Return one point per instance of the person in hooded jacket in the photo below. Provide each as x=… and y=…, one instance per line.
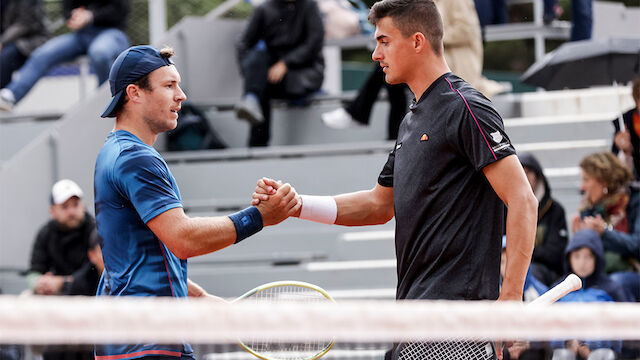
x=551, y=232
x=584, y=256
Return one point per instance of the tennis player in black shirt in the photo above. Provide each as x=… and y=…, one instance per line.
x=452, y=171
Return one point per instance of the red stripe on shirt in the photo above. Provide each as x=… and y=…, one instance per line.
x=139, y=353
x=474, y=119
x=166, y=266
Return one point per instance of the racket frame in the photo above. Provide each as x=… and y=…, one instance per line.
x=283, y=283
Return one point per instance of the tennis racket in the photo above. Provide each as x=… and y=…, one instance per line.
x=458, y=349
x=286, y=291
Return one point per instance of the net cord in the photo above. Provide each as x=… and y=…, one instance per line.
x=71, y=320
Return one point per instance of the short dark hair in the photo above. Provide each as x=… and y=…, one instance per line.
x=411, y=16
x=143, y=82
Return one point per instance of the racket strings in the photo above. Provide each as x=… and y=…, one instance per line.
x=287, y=293
x=447, y=350
x=280, y=349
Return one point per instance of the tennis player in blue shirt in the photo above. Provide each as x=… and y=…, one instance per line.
x=146, y=236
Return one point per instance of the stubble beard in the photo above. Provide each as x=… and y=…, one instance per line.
x=159, y=126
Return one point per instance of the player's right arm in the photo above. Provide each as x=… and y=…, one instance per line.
x=144, y=180
x=367, y=207
x=186, y=237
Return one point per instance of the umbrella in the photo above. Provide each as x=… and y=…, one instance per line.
x=581, y=64
x=585, y=63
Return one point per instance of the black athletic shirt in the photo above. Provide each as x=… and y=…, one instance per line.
x=449, y=221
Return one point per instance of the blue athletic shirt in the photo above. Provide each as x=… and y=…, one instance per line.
x=132, y=185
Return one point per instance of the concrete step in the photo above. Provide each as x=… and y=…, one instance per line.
x=564, y=154
x=560, y=128
x=574, y=102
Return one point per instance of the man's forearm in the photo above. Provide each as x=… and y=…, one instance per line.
x=364, y=208
x=208, y=234
x=521, y=229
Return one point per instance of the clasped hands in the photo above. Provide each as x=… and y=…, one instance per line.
x=49, y=284
x=595, y=223
x=275, y=201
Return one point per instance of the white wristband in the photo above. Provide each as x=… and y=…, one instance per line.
x=322, y=209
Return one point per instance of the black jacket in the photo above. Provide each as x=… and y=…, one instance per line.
x=627, y=118
x=551, y=232
x=106, y=13
x=22, y=23
x=61, y=252
x=292, y=31
x=85, y=281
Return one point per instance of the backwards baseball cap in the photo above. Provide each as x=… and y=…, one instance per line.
x=131, y=65
x=63, y=190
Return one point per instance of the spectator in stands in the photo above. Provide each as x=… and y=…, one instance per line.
x=22, y=29
x=463, y=44
x=582, y=17
x=585, y=257
x=60, y=263
x=604, y=183
x=358, y=112
x=626, y=143
x=61, y=246
x=97, y=31
x=86, y=279
x=551, y=234
x=280, y=56
x=626, y=245
x=492, y=12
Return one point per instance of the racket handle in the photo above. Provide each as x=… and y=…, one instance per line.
x=571, y=283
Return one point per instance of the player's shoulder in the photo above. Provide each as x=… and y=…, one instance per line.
x=471, y=99
x=125, y=144
x=464, y=90
x=136, y=156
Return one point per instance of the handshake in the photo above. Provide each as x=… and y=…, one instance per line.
x=276, y=201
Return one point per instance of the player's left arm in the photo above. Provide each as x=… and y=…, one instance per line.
x=509, y=181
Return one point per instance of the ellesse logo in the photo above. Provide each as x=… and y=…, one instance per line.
x=424, y=137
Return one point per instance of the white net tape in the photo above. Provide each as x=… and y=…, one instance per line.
x=64, y=320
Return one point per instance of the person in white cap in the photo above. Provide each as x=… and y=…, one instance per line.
x=60, y=248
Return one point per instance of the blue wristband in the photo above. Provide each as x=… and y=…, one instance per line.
x=247, y=222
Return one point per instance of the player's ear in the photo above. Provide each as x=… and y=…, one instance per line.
x=133, y=92
x=419, y=42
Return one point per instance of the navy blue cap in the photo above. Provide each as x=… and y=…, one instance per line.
x=131, y=65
